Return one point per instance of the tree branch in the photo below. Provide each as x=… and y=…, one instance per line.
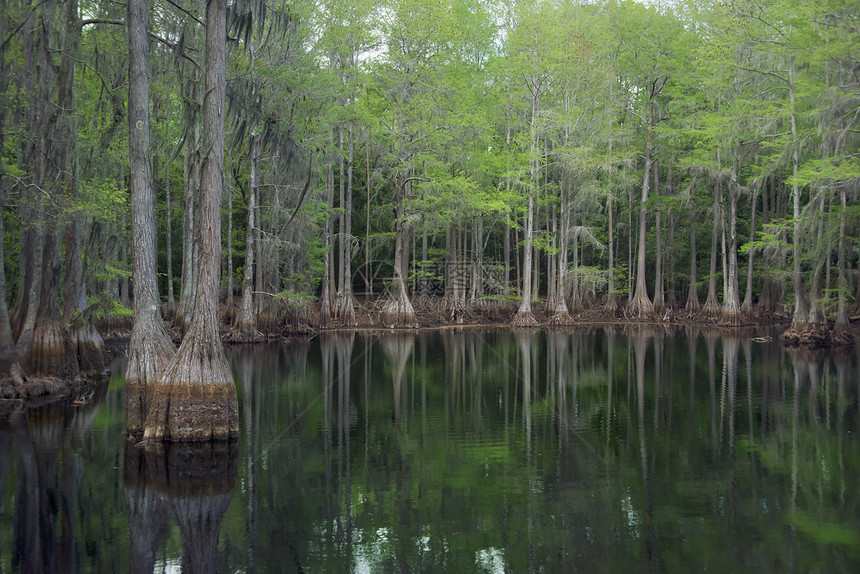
x=152, y=35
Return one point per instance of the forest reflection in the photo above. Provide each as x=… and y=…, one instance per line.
x=463, y=451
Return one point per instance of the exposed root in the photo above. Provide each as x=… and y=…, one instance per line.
x=841, y=336
x=525, y=319
x=399, y=314
x=806, y=335
x=243, y=335
x=562, y=318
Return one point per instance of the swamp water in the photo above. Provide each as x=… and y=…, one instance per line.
x=586, y=451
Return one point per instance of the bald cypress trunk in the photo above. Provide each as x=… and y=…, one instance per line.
x=150, y=347
x=85, y=339
x=245, y=329
x=524, y=316
x=399, y=311
x=731, y=312
x=641, y=304
x=51, y=353
x=195, y=400
x=711, y=308
x=692, y=307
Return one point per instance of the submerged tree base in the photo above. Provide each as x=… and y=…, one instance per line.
x=195, y=399
x=145, y=366
x=192, y=412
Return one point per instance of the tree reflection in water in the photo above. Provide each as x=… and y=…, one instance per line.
x=573, y=449
x=191, y=483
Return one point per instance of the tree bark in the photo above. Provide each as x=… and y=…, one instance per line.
x=561, y=313
x=658, y=247
x=191, y=165
x=346, y=299
x=399, y=311
x=693, y=307
x=524, y=316
x=246, y=323
x=711, y=308
x=731, y=313
x=85, y=339
x=747, y=306
x=327, y=280
x=195, y=400
x=150, y=347
x=800, y=318
x=641, y=305
x=171, y=299
x=842, y=328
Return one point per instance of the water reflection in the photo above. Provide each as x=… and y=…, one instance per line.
x=39, y=446
x=190, y=483
x=591, y=450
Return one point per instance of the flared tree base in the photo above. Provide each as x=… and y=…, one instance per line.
x=841, y=336
x=399, y=314
x=732, y=319
x=346, y=311
x=90, y=348
x=192, y=413
x=146, y=362
x=561, y=319
x=525, y=319
x=52, y=354
x=195, y=399
x=806, y=335
x=244, y=334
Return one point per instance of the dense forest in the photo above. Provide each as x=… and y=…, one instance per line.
x=690, y=159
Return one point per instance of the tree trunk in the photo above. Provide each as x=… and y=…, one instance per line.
x=800, y=318
x=711, y=309
x=692, y=307
x=191, y=164
x=342, y=240
x=731, y=297
x=842, y=328
x=399, y=312
x=524, y=316
x=641, y=305
x=747, y=307
x=51, y=353
x=817, y=333
x=327, y=280
x=245, y=330
x=611, y=296
x=561, y=315
x=171, y=299
x=150, y=347
x=368, y=278
x=346, y=299
x=229, y=303
x=195, y=400
x=658, y=254
x=82, y=332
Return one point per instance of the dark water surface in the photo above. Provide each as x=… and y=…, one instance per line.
x=473, y=452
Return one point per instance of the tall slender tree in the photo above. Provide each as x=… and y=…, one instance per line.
x=196, y=398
